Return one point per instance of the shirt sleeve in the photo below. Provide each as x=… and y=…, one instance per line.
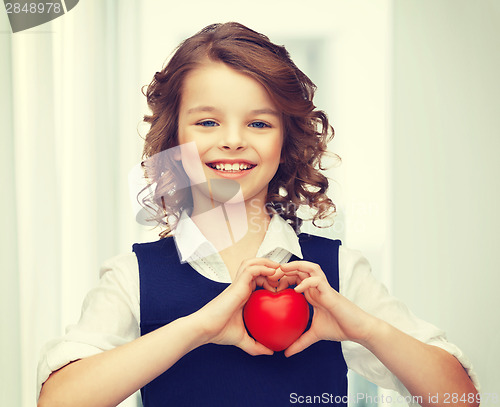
x=358, y=284
x=110, y=317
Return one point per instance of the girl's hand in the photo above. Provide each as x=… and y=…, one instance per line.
x=221, y=320
x=335, y=317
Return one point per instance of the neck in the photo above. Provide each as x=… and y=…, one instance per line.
x=226, y=224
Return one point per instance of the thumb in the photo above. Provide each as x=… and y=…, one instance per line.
x=304, y=341
x=253, y=347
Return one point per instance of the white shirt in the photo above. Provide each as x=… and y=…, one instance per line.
x=111, y=311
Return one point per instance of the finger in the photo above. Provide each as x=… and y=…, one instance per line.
x=259, y=277
x=277, y=275
x=287, y=281
x=264, y=283
x=259, y=261
x=247, y=264
x=245, y=283
x=311, y=282
x=253, y=348
x=267, y=262
x=293, y=270
x=252, y=272
x=304, y=266
x=299, y=275
x=272, y=282
x=304, y=341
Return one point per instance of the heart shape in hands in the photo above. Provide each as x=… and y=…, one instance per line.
x=276, y=319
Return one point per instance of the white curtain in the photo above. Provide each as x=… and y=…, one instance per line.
x=71, y=105
x=71, y=109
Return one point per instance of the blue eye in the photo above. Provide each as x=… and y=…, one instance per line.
x=207, y=123
x=259, y=125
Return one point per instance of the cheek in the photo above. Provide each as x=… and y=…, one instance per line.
x=191, y=163
x=190, y=136
x=273, y=153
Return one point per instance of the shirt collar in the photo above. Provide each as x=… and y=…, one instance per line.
x=192, y=244
x=279, y=235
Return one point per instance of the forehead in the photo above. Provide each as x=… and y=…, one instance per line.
x=219, y=85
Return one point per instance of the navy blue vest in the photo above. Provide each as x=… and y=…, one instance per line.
x=217, y=375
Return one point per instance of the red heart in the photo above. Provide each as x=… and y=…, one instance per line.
x=276, y=319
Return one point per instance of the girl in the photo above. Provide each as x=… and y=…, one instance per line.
x=167, y=319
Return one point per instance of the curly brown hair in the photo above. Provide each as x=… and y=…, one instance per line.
x=306, y=129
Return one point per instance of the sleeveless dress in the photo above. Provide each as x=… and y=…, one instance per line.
x=220, y=376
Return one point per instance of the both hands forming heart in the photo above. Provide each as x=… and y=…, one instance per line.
x=335, y=317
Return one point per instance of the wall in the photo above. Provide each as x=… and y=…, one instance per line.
x=445, y=171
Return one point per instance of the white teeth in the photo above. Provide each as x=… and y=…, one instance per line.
x=231, y=167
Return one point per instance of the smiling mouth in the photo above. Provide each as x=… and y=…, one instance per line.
x=227, y=167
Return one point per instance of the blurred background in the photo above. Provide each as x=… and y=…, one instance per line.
x=411, y=87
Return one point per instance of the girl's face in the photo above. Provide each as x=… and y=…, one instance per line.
x=235, y=126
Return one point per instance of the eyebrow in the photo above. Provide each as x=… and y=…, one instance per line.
x=214, y=109
x=202, y=109
x=265, y=111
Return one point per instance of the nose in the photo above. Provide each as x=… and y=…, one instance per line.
x=233, y=139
